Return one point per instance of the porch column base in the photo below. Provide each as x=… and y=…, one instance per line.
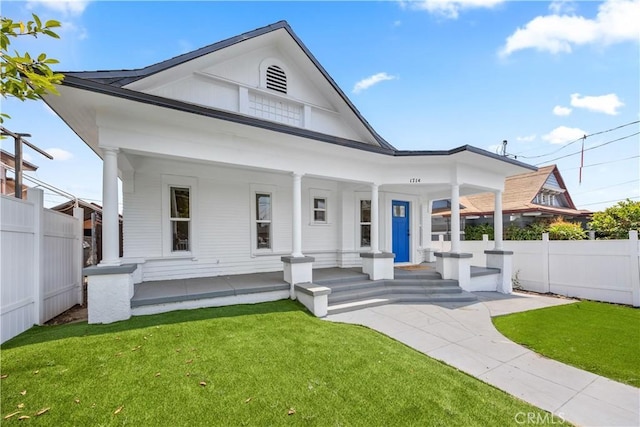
x=378, y=265
x=314, y=297
x=297, y=270
x=109, y=293
x=502, y=260
x=428, y=255
x=455, y=266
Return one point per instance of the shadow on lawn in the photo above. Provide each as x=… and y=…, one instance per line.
x=39, y=334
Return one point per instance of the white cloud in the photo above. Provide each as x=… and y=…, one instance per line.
x=67, y=7
x=59, y=154
x=559, y=110
x=450, y=8
x=562, y=6
x=607, y=104
x=617, y=21
x=563, y=134
x=527, y=138
x=366, y=83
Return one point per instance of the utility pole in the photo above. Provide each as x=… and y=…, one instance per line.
x=18, y=141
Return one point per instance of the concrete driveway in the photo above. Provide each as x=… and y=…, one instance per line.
x=463, y=336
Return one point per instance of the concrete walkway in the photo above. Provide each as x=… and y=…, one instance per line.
x=464, y=337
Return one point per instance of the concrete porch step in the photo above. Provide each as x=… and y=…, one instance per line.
x=400, y=298
x=390, y=291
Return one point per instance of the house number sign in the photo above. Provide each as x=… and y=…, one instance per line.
x=414, y=180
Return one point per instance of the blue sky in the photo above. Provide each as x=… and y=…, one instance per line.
x=426, y=74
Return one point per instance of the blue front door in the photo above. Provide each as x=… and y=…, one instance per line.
x=400, y=230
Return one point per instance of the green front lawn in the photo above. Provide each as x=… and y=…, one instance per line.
x=597, y=337
x=265, y=364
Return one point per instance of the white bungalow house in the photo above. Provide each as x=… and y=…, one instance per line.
x=245, y=157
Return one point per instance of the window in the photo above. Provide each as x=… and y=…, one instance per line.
x=365, y=223
x=320, y=210
x=180, y=218
x=398, y=211
x=263, y=221
x=276, y=79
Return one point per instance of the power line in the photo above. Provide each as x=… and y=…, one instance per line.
x=589, y=149
x=573, y=142
x=608, y=186
x=610, y=201
x=603, y=163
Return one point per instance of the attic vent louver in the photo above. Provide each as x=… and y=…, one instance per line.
x=276, y=79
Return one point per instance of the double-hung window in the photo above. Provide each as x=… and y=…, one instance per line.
x=180, y=218
x=263, y=221
x=320, y=210
x=365, y=223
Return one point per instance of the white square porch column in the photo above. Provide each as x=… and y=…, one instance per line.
x=110, y=219
x=297, y=267
x=498, y=257
x=376, y=264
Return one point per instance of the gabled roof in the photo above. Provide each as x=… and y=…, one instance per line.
x=120, y=78
x=518, y=196
x=116, y=83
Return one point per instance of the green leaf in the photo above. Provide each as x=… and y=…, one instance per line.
x=52, y=24
x=50, y=34
x=35, y=18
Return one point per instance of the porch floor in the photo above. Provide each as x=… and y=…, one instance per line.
x=179, y=290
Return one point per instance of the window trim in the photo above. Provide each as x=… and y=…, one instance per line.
x=256, y=189
x=175, y=181
x=259, y=221
x=360, y=223
x=315, y=193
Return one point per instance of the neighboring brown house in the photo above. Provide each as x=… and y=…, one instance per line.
x=92, y=251
x=526, y=197
x=7, y=184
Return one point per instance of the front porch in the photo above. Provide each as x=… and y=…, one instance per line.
x=350, y=289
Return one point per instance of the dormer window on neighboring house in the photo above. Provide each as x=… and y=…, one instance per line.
x=551, y=194
x=276, y=79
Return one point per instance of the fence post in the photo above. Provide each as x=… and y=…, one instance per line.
x=36, y=196
x=634, y=264
x=78, y=265
x=546, y=282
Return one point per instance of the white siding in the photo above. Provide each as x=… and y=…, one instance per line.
x=223, y=221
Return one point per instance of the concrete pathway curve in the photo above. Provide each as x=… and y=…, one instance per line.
x=463, y=336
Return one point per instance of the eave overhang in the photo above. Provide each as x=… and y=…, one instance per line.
x=145, y=98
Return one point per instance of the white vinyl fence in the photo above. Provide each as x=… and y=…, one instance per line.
x=41, y=263
x=602, y=270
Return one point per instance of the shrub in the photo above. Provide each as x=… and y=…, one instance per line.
x=563, y=230
x=616, y=221
x=475, y=232
x=532, y=231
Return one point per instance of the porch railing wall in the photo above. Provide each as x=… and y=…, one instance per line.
x=41, y=263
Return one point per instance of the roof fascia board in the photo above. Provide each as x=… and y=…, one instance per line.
x=469, y=148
